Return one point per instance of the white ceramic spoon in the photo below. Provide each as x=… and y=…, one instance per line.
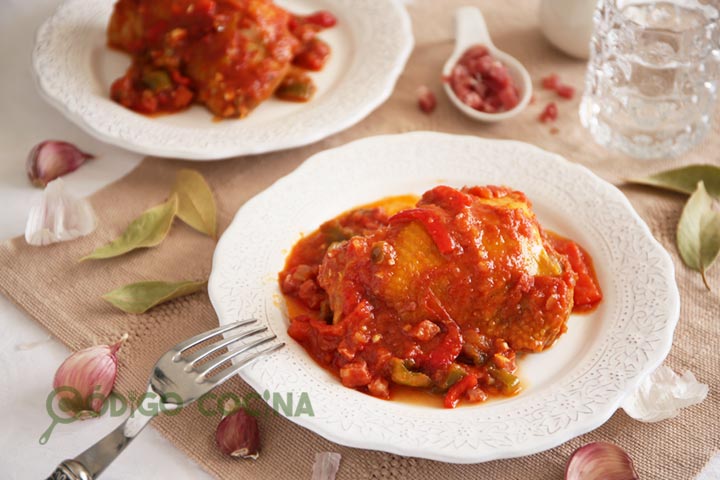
x=470, y=29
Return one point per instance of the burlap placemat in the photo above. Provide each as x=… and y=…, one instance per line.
x=64, y=295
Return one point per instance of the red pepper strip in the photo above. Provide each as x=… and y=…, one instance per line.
x=448, y=350
x=432, y=223
x=456, y=391
x=448, y=198
x=179, y=78
x=155, y=31
x=323, y=19
x=587, y=291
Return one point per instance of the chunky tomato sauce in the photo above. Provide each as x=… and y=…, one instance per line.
x=437, y=295
x=229, y=55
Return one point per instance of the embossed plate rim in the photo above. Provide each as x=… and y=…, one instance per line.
x=242, y=283
x=64, y=75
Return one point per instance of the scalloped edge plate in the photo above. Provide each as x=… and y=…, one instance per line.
x=74, y=68
x=570, y=389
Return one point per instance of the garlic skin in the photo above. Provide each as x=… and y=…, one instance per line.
x=238, y=435
x=86, y=378
x=326, y=466
x=662, y=395
x=51, y=159
x=600, y=461
x=59, y=217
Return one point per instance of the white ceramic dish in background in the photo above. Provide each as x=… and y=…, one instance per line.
x=471, y=29
x=74, y=69
x=570, y=389
x=568, y=25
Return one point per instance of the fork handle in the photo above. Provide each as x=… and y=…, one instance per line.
x=93, y=461
x=70, y=470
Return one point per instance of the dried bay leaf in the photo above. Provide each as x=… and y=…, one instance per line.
x=196, y=203
x=698, y=233
x=685, y=179
x=142, y=296
x=148, y=230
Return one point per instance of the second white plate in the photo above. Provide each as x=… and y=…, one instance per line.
x=74, y=69
x=570, y=389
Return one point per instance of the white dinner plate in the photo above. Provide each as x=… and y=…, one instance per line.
x=570, y=389
x=74, y=69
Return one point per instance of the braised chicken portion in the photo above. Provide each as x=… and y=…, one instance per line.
x=229, y=55
x=475, y=258
x=438, y=295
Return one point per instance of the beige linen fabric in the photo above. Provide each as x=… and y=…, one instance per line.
x=64, y=295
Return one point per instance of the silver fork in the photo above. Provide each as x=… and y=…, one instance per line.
x=177, y=380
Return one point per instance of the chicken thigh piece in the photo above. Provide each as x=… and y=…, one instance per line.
x=475, y=262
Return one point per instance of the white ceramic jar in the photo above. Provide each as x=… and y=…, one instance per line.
x=568, y=24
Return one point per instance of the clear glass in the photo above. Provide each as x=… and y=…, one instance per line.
x=652, y=78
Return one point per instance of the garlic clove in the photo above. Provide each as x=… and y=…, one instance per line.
x=662, y=395
x=51, y=159
x=326, y=466
x=59, y=217
x=600, y=461
x=238, y=435
x=86, y=378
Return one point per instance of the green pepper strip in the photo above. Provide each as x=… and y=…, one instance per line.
x=156, y=80
x=402, y=376
x=333, y=232
x=295, y=91
x=455, y=374
x=509, y=382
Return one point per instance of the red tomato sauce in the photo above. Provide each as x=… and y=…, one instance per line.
x=229, y=55
x=437, y=295
x=587, y=294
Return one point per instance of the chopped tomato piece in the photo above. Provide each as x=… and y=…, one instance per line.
x=458, y=390
x=550, y=82
x=565, y=91
x=312, y=55
x=426, y=99
x=379, y=387
x=355, y=374
x=550, y=113
x=424, y=330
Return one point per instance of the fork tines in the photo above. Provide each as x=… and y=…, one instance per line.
x=201, y=361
